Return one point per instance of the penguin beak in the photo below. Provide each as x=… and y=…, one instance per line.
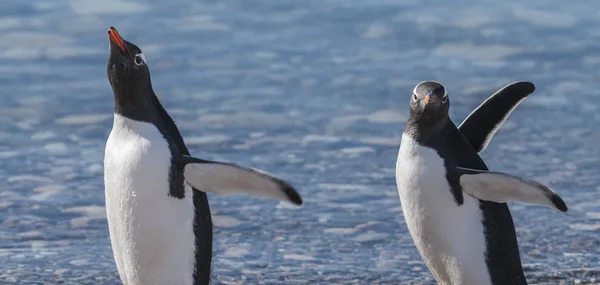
x=429, y=99
x=116, y=39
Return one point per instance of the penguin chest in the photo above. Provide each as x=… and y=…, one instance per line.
x=151, y=233
x=449, y=237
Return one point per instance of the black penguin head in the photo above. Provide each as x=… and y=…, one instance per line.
x=127, y=72
x=429, y=104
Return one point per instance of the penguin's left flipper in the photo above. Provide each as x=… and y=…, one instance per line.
x=223, y=178
x=481, y=125
x=501, y=187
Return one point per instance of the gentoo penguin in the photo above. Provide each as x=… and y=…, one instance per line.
x=158, y=214
x=455, y=209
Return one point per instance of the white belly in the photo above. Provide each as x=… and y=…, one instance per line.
x=151, y=233
x=450, y=238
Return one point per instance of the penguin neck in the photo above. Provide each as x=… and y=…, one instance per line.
x=138, y=106
x=423, y=132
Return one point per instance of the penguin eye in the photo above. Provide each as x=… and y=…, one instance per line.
x=139, y=59
x=445, y=98
x=414, y=97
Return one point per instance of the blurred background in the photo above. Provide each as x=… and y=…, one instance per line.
x=315, y=91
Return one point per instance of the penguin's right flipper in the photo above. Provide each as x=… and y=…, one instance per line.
x=223, y=178
x=481, y=125
x=501, y=187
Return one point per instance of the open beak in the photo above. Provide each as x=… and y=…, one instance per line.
x=429, y=99
x=115, y=38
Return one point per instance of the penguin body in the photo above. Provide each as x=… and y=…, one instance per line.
x=448, y=237
x=158, y=213
x=454, y=207
x=150, y=230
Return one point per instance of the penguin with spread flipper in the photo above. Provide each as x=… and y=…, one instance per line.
x=454, y=207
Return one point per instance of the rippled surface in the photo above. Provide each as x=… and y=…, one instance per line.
x=315, y=91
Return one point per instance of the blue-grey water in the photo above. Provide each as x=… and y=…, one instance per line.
x=314, y=91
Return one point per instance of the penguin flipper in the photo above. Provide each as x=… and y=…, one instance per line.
x=224, y=178
x=481, y=125
x=501, y=187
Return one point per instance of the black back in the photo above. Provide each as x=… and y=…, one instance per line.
x=502, y=250
x=136, y=100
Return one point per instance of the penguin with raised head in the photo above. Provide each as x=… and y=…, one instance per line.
x=158, y=214
x=454, y=207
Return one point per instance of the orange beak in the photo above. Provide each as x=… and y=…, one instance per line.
x=114, y=37
x=429, y=99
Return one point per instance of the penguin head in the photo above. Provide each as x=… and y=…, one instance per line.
x=127, y=71
x=429, y=103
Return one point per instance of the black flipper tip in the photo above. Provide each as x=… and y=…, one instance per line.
x=523, y=87
x=291, y=193
x=559, y=203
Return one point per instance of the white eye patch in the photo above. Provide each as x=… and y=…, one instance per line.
x=415, y=90
x=139, y=59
